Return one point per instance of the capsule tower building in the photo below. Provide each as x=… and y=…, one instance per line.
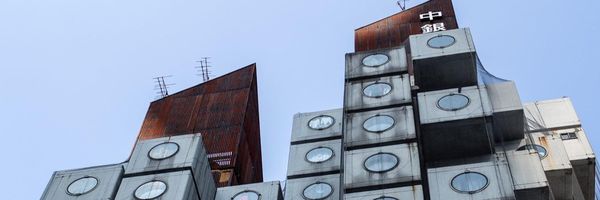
x=423, y=119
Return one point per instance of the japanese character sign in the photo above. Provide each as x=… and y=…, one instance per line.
x=428, y=28
x=431, y=15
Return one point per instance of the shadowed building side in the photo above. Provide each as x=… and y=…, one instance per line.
x=225, y=111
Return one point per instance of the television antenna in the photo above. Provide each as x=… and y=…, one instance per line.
x=402, y=4
x=161, y=87
x=203, y=68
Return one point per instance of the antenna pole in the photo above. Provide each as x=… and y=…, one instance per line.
x=161, y=86
x=203, y=68
x=402, y=4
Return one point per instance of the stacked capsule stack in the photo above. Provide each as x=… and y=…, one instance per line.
x=381, y=154
x=315, y=156
x=173, y=168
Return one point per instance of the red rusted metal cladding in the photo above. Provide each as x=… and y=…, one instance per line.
x=225, y=111
x=394, y=30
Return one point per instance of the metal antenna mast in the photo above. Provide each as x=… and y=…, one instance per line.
x=203, y=68
x=402, y=4
x=161, y=86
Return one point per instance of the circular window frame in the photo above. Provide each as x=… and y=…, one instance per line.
x=455, y=109
x=438, y=36
x=487, y=183
x=384, y=197
x=376, y=83
x=383, y=171
x=87, y=192
x=161, y=194
x=164, y=143
x=320, y=129
x=318, y=182
x=321, y=147
x=362, y=61
x=533, y=146
x=379, y=115
x=245, y=191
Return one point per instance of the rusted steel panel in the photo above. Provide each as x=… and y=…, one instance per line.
x=394, y=30
x=225, y=111
x=252, y=129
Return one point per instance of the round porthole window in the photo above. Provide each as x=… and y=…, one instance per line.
x=453, y=102
x=542, y=152
x=150, y=190
x=441, y=41
x=375, y=60
x=381, y=162
x=317, y=191
x=247, y=195
x=82, y=186
x=385, y=198
x=379, y=123
x=469, y=182
x=377, y=90
x=321, y=122
x=163, y=151
x=319, y=155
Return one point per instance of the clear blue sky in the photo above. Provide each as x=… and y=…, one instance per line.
x=77, y=75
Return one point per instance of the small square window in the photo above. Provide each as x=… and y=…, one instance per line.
x=568, y=136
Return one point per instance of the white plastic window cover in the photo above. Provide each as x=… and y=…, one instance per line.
x=484, y=77
x=534, y=124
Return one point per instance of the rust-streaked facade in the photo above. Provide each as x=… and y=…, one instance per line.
x=225, y=111
x=394, y=30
